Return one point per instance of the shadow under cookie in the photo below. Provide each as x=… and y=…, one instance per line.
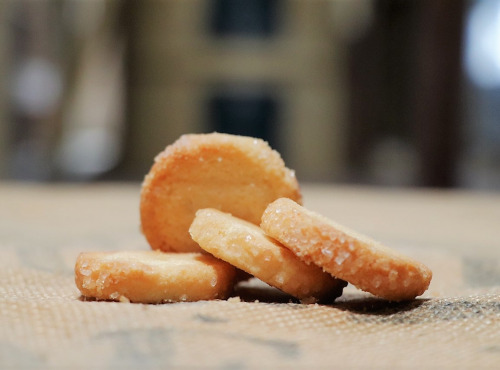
x=255, y=290
x=369, y=305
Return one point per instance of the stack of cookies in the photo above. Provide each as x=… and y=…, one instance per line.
x=214, y=206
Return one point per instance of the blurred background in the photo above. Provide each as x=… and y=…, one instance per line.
x=386, y=92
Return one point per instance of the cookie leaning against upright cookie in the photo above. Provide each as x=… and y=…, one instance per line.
x=153, y=276
x=245, y=246
x=345, y=254
x=235, y=174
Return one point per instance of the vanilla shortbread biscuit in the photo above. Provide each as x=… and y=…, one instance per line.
x=345, y=254
x=245, y=246
x=153, y=276
x=235, y=174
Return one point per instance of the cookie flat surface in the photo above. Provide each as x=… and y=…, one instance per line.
x=153, y=276
x=245, y=246
x=368, y=265
x=235, y=174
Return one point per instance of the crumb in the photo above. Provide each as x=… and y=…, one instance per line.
x=123, y=299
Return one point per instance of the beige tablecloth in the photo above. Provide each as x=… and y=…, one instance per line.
x=44, y=322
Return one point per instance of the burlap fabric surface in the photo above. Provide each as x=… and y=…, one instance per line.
x=45, y=323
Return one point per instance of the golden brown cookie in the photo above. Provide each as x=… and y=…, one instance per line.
x=235, y=174
x=153, y=276
x=245, y=246
x=345, y=254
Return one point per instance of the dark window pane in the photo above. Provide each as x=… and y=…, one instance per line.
x=254, y=18
x=244, y=114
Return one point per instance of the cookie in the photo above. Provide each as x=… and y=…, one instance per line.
x=345, y=254
x=153, y=276
x=235, y=174
x=245, y=246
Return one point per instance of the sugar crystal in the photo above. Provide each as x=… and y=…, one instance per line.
x=327, y=252
x=341, y=257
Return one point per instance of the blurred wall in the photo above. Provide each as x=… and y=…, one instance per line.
x=63, y=104
x=405, y=83
x=186, y=75
x=360, y=91
x=3, y=91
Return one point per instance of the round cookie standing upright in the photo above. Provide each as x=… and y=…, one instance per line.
x=235, y=174
x=345, y=254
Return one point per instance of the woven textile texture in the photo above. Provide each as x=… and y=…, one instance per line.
x=44, y=323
